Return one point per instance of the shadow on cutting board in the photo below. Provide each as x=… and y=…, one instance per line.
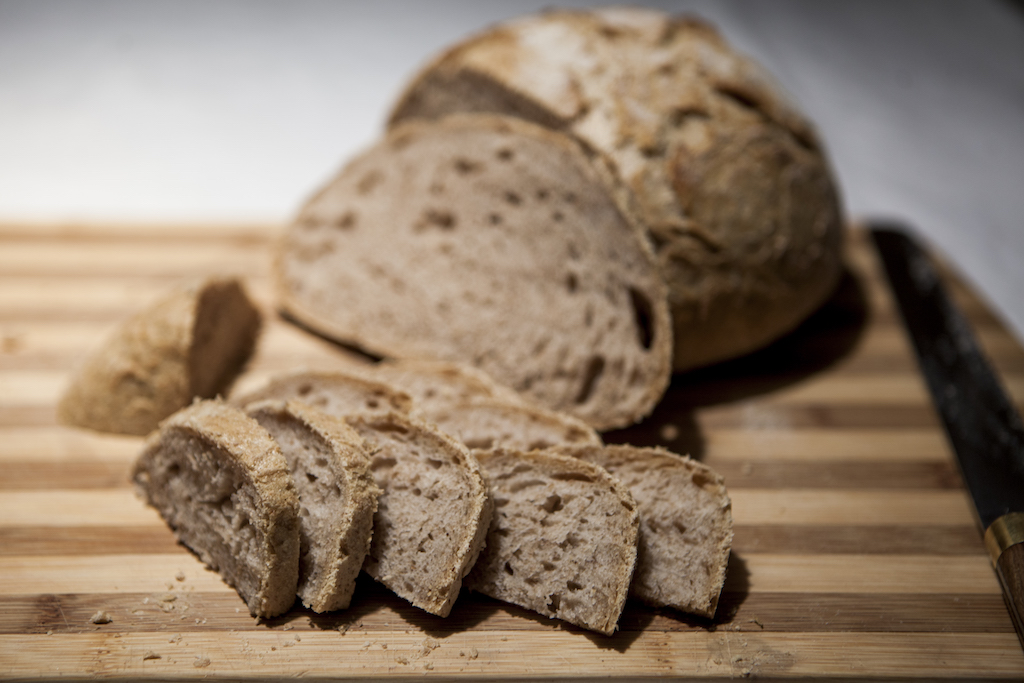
x=819, y=342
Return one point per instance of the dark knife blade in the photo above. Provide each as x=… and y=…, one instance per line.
x=981, y=422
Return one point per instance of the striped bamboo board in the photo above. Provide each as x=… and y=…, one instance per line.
x=856, y=553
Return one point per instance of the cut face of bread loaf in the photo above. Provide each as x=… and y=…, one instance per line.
x=439, y=383
x=190, y=344
x=492, y=241
x=222, y=484
x=432, y=514
x=685, y=524
x=728, y=179
x=336, y=393
x=490, y=423
x=337, y=498
x=562, y=541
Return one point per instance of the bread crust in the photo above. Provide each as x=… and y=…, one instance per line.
x=215, y=474
x=727, y=177
x=447, y=269
x=156, y=361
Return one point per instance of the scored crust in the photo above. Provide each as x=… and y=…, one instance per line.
x=562, y=541
x=223, y=486
x=189, y=344
x=438, y=243
x=685, y=524
x=727, y=177
x=337, y=498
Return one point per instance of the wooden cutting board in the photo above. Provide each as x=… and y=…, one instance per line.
x=856, y=553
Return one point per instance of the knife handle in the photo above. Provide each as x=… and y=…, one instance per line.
x=1004, y=539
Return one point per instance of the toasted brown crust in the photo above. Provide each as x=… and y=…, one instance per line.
x=214, y=474
x=337, y=498
x=190, y=343
x=727, y=177
x=591, y=333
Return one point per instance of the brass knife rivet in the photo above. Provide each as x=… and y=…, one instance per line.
x=1006, y=531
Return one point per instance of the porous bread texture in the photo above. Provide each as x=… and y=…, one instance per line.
x=432, y=514
x=492, y=241
x=189, y=344
x=221, y=483
x=562, y=541
x=727, y=177
x=493, y=423
x=685, y=524
x=442, y=382
x=337, y=498
x=336, y=393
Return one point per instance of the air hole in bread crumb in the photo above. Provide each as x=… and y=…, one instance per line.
x=505, y=154
x=738, y=95
x=595, y=368
x=699, y=479
x=571, y=283
x=520, y=485
x=554, y=600
x=542, y=194
x=547, y=566
x=557, y=216
x=513, y=198
x=369, y=181
x=466, y=166
x=508, y=569
x=569, y=197
x=304, y=389
x=436, y=218
x=435, y=463
x=346, y=220
x=643, y=317
x=571, y=476
x=494, y=219
x=380, y=463
x=553, y=503
x=573, y=586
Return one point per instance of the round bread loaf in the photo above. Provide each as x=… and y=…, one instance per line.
x=729, y=180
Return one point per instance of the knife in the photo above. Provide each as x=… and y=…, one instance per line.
x=981, y=422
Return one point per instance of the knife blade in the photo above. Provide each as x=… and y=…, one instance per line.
x=980, y=421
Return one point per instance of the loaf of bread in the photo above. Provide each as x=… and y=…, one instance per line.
x=336, y=393
x=432, y=514
x=685, y=524
x=337, y=498
x=189, y=344
x=492, y=241
x=562, y=541
x=729, y=180
x=222, y=484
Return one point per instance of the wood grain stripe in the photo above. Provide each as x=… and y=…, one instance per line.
x=825, y=446
x=120, y=507
x=562, y=654
x=753, y=572
x=165, y=259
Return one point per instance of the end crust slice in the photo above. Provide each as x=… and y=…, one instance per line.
x=222, y=484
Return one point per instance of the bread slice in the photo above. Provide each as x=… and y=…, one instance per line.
x=440, y=382
x=685, y=524
x=432, y=514
x=336, y=393
x=221, y=483
x=728, y=178
x=337, y=498
x=491, y=241
x=189, y=344
x=562, y=541
x=491, y=423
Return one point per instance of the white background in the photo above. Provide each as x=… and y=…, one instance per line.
x=236, y=111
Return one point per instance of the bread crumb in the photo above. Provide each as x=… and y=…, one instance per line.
x=298, y=637
x=101, y=617
x=473, y=653
x=49, y=633
x=428, y=666
x=150, y=655
x=288, y=643
x=201, y=662
x=180, y=576
x=402, y=660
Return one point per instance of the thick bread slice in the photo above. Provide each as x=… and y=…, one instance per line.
x=728, y=178
x=562, y=541
x=337, y=498
x=432, y=514
x=490, y=423
x=189, y=344
x=440, y=382
x=221, y=483
x=685, y=524
x=336, y=393
x=491, y=241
